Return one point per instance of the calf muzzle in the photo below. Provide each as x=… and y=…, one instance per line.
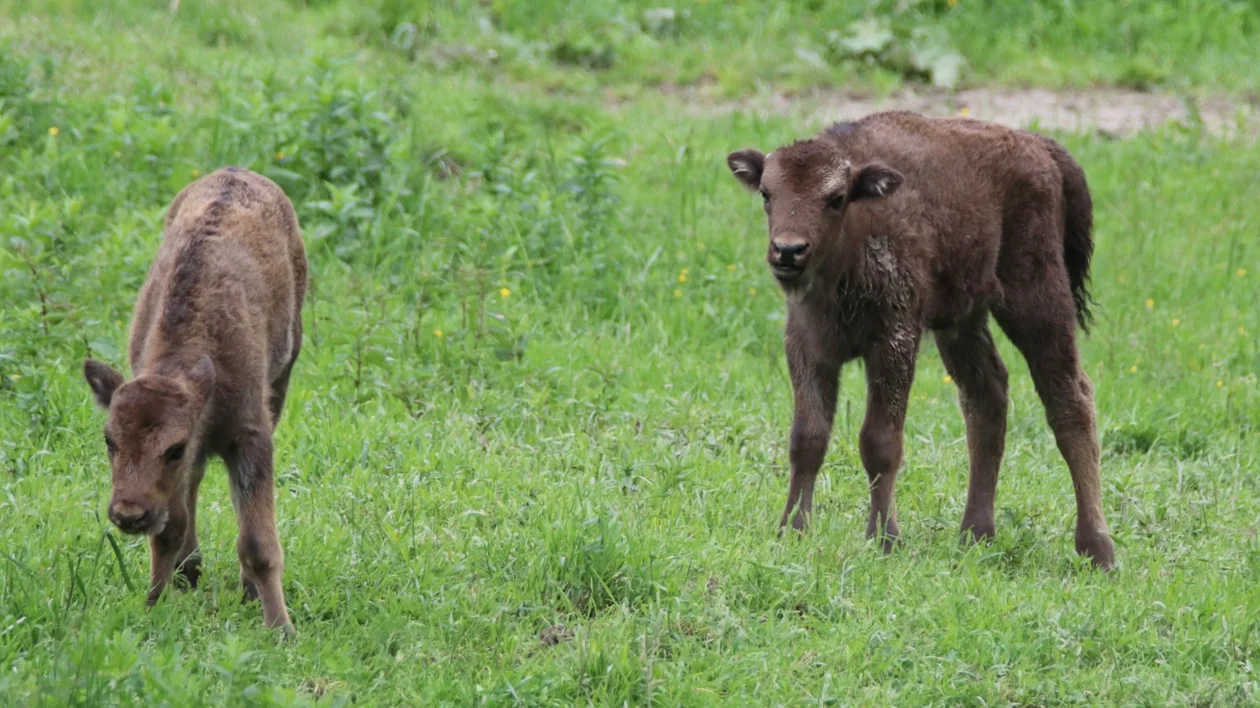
x=787, y=257
x=135, y=519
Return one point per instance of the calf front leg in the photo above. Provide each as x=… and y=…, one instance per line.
x=814, y=384
x=889, y=374
x=188, y=560
x=164, y=548
x=258, y=544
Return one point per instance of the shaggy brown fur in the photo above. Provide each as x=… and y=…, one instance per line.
x=897, y=223
x=216, y=330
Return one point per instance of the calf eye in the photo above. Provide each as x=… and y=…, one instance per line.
x=835, y=202
x=174, y=453
x=110, y=446
x=765, y=196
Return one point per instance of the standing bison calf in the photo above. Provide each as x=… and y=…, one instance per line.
x=897, y=223
x=216, y=331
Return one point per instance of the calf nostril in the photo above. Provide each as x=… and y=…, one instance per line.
x=789, y=252
x=129, y=517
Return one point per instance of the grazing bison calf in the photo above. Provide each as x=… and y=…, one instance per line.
x=216, y=330
x=897, y=223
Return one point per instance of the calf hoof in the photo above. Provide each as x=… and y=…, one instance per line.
x=888, y=535
x=249, y=590
x=800, y=524
x=977, y=531
x=1096, y=546
x=288, y=630
x=154, y=595
x=190, y=569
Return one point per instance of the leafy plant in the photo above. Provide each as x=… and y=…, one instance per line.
x=586, y=51
x=921, y=51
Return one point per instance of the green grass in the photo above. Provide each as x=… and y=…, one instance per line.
x=522, y=462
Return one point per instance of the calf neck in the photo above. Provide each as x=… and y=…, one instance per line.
x=216, y=330
x=896, y=225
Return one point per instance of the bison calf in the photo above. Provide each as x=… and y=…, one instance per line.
x=216, y=330
x=897, y=223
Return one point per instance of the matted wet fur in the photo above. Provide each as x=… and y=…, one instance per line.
x=896, y=224
x=216, y=330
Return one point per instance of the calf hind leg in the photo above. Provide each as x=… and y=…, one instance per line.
x=280, y=387
x=972, y=360
x=1044, y=330
x=258, y=543
x=279, y=391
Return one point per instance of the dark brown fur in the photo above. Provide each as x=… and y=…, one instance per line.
x=216, y=330
x=897, y=224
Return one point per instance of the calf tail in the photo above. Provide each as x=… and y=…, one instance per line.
x=1078, y=222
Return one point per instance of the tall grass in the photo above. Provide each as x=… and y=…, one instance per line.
x=536, y=443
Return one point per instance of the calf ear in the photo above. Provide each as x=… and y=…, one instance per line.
x=873, y=181
x=747, y=165
x=201, y=379
x=103, y=380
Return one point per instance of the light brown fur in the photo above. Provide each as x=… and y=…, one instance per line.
x=897, y=224
x=216, y=330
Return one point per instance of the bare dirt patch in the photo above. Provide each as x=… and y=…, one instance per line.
x=1110, y=111
x=554, y=634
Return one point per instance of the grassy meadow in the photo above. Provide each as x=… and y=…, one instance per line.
x=535, y=447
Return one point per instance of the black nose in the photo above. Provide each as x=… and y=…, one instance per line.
x=790, y=251
x=131, y=521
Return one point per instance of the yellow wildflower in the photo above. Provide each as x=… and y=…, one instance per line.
x=15, y=377
x=1133, y=369
x=752, y=291
x=1242, y=330
x=964, y=111
x=677, y=292
x=195, y=172
x=952, y=3
x=1220, y=384
x=1150, y=304
x=53, y=131
x=437, y=333
x=948, y=378
x=682, y=278
x=700, y=246
x=684, y=271
x=1176, y=322
x=280, y=155
x=1241, y=272
x=730, y=268
x=504, y=292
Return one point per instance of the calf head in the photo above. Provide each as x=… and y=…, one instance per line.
x=807, y=188
x=151, y=438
